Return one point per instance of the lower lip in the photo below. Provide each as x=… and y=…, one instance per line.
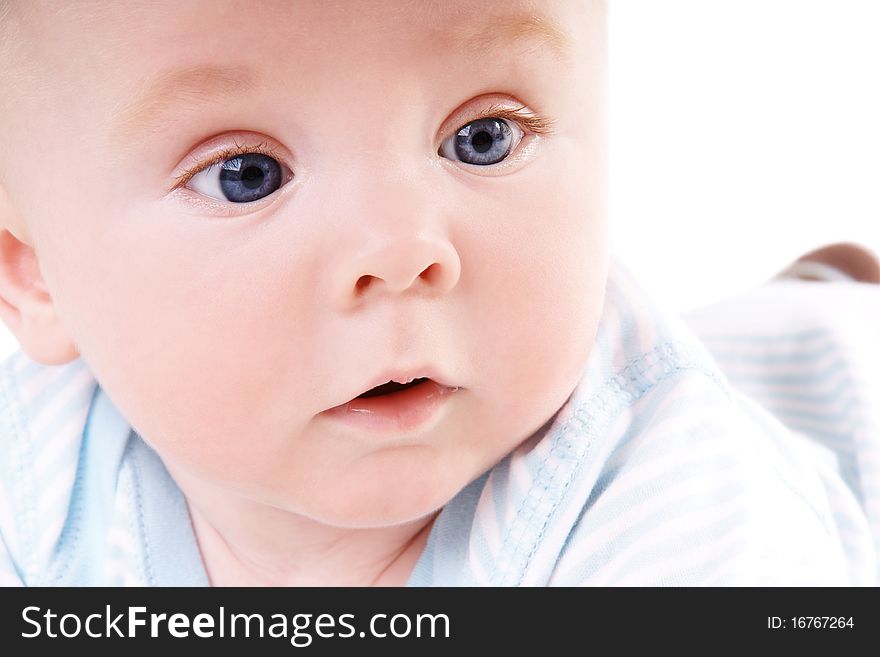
x=407, y=410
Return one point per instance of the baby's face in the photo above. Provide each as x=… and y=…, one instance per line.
x=376, y=215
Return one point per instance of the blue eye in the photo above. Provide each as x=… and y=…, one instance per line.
x=482, y=142
x=242, y=179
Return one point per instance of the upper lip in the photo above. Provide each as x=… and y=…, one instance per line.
x=402, y=375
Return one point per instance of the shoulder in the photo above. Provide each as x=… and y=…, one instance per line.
x=697, y=488
x=83, y=500
x=682, y=479
x=43, y=410
x=702, y=478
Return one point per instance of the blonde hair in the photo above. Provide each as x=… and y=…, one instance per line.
x=11, y=43
x=8, y=55
x=18, y=71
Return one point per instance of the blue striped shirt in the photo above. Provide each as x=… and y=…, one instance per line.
x=736, y=445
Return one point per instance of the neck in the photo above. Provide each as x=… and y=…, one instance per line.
x=246, y=544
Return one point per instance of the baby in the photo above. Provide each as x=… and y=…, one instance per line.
x=320, y=293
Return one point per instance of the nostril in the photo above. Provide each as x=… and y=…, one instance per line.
x=431, y=273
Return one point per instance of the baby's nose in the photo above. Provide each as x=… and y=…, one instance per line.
x=394, y=232
x=428, y=264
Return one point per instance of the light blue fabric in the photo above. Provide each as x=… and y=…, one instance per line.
x=161, y=525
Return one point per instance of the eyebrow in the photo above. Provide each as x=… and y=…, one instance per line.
x=516, y=30
x=185, y=90
x=191, y=90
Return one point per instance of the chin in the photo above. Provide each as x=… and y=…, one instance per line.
x=393, y=501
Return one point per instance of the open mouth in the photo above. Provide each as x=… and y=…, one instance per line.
x=392, y=407
x=390, y=388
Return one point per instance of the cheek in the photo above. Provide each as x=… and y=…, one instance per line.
x=186, y=335
x=541, y=285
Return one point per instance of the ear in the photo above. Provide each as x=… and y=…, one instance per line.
x=26, y=307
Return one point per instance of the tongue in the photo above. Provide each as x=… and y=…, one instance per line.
x=389, y=388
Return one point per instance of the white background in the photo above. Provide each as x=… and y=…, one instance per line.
x=743, y=133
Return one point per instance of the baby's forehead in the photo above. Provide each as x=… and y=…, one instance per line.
x=484, y=25
x=98, y=40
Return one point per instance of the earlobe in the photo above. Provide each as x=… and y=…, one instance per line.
x=26, y=307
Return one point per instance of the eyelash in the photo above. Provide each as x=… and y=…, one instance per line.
x=532, y=122
x=264, y=148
